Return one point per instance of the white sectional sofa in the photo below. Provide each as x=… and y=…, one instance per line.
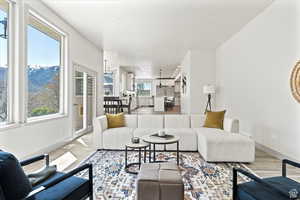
x=214, y=145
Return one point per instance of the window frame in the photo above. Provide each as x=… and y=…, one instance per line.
x=63, y=78
x=10, y=121
x=143, y=82
x=112, y=84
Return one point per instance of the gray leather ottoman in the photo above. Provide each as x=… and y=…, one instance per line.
x=159, y=181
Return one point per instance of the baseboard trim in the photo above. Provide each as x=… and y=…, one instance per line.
x=273, y=152
x=49, y=148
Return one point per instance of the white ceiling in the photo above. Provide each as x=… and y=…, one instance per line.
x=156, y=34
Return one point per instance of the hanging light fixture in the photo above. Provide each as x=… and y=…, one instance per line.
x=160, y=72
x=105, y=70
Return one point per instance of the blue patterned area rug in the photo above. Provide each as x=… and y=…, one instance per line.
x=202, y=180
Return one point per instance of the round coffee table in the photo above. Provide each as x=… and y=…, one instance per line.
x=135, y=146
x=157, y=140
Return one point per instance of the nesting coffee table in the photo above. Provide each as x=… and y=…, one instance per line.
x=157, y=140
x=142, y=146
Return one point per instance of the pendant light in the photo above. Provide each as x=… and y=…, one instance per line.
x=105, y=70
x=160, y=72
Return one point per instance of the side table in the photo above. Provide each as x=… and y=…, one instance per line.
x=142, y=146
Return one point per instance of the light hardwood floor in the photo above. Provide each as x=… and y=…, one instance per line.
x=70, y=155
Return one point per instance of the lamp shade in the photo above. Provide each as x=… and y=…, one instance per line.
x=209, y=89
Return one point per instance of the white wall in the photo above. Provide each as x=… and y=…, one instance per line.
x=200, y=69
x=203, y=72
x=28, y=139
x=253, y=71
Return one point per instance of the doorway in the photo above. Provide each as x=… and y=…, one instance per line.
x=84, y=100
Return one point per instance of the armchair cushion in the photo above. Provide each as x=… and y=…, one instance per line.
x=13, y=181
x=69, y=189
x=1, y=194
x=256, y=191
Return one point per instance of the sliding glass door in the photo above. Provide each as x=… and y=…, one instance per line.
x=83, y=100
x=90, y=102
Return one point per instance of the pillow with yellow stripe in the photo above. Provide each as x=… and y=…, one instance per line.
x=115, y=120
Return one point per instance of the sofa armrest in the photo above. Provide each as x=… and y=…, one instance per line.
x=100, y=125
x=231, y=125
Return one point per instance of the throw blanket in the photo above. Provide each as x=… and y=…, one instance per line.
x=41, y=175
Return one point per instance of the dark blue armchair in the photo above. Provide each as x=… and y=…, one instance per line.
x=14, y=184
x=274, y=188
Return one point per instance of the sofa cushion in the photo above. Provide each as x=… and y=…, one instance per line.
x=13, y=181
x=139, y=132
x=131, y=121
x=115, y=120
x=177, y=121
x=214, y=119
x=69, y=189
x=197, y=121
x=217, y=145
x=218, y=136
x=116, y=138
x=187, y=141
x=151, y=121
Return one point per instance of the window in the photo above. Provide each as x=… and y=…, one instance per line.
x=144, y=89
x=79, y=78
x=108, y=84
x=45, y=62
x=4, y=65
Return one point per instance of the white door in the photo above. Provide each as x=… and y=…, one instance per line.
x=83, y=100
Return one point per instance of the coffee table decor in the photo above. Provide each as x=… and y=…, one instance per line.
x=202, y=180
x=166, y=136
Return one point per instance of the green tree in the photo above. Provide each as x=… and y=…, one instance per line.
x=41, y=111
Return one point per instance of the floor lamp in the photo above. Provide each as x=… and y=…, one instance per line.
x=208, y=90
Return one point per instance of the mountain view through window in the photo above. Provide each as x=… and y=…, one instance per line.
x=43, y=72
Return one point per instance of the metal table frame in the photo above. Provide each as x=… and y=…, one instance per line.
x=127, y=166
x=154, y=150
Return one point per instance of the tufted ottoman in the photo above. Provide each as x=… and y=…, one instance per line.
x=159, y=181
